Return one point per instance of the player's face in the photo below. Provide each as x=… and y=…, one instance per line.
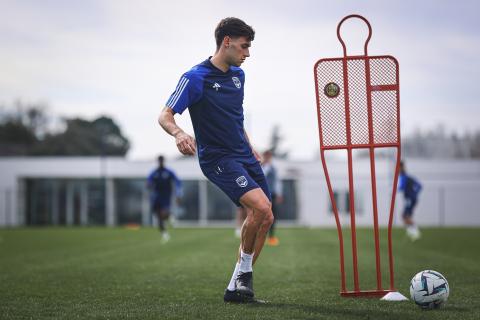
x=237, y=50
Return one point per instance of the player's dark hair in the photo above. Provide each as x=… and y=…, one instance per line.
x=233, y=27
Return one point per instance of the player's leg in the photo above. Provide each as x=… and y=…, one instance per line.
x=164, y=215
x=412, y=230
x=407, y=212
x=231, y=294
x=240, y=288
x=255, y=172
x=232, y=177
x=407, y=221
x=262, y=235
x=161, y=220
x=155, y=210
x=259, y=218
x=158, y=214
x=260, y=239
x=254, y=232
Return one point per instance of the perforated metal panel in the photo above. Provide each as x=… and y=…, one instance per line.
x=362, y=114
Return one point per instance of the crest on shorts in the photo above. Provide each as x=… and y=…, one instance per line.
x=242, y=181
x=237, y=82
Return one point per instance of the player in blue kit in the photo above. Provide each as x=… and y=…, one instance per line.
x=411, y=189
x=160, y=182
x=213, y=93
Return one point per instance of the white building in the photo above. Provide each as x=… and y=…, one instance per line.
x=112, y=191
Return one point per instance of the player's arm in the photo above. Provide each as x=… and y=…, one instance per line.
x=185, y=143
x=150, y=181
x=255, y=153
x=401, y=182
x=187, y=93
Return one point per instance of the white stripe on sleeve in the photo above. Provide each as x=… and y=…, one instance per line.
x=182, y=85
x=179, y=84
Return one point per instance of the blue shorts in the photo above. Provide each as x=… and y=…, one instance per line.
x=235, y=177
x=159, y=203
x=409, y=206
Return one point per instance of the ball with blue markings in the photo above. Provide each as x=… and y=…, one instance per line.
x=429, y=289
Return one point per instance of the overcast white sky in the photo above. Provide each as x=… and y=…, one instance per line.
x=124, y=58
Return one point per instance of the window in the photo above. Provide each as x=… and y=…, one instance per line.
x=342, y=200
x=220, y=207
x=188, y=210
x=128, y=200
x=287, y=210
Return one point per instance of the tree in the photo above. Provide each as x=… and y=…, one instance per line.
x=25, y=132
x=100, y=137
x=20, y=127
x=15, y=138
x=436, y=143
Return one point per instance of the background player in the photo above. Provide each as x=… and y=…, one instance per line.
x=410, y=188
x=213, y=93
x=275, y=186
x=160, y=182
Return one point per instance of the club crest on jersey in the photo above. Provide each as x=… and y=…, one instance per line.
x=237, y=82
x=242, y=181
x=216, y=86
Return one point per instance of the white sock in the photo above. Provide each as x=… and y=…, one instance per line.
x=412, y=228
x=246, y=262
x=231, y=285
x=416, y=231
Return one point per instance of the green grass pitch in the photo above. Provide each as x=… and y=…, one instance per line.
x=78, y=273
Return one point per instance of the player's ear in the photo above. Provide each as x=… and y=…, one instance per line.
x=226, y=41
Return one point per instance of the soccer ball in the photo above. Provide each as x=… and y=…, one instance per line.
x=429, y=289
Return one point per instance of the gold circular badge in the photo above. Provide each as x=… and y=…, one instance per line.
x=331, y=90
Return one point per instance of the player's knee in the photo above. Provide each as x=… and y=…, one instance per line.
x=267, y=223
x=264, y=209
x=269, y=220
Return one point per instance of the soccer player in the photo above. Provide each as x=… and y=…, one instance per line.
x=275, y=186
x=411, y=188
x=160, y=183
x=213, y=93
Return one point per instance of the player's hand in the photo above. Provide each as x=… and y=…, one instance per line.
x=185, y=143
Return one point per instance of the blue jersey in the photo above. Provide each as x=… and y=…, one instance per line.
x=161, y=181
x=410, y=186
x=215, y=101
